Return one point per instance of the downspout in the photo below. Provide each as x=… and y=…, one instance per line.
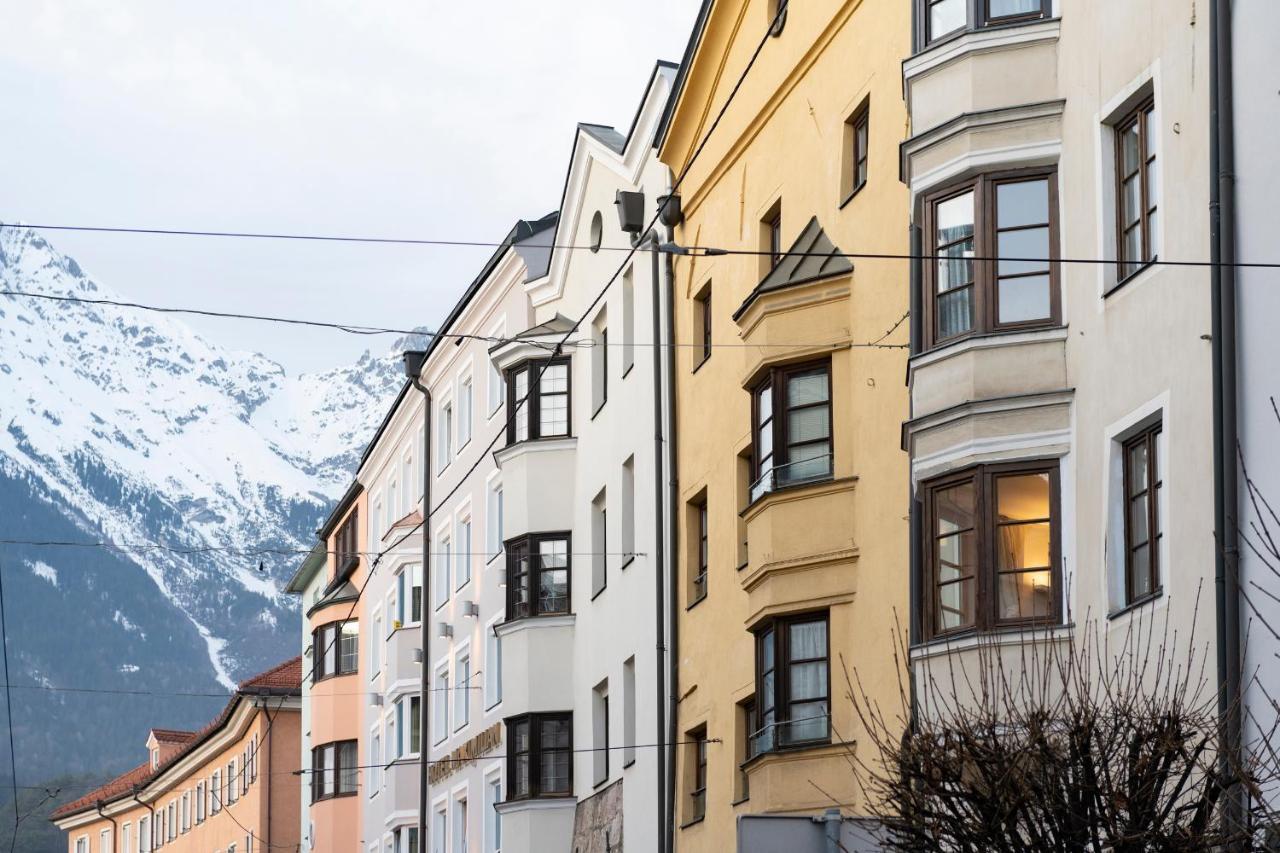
x=1225, y=433
x=673, y=494
x=266, y=835
x=115, y=827
x=151, y=821
x=414, y=362
x=659, y=548
x=915, y=630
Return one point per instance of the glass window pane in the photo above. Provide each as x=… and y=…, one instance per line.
x=808, y=387
x=554, y=378
x=808, y=680
x=1029, y=243
x=1138, y=520
x=1008, y=8
x=955, y=605
x=1023, y=299
x=808, y=640
x=1129, y=154
x=946, y=16
x=553, y=591
x=1132, y=250
x=1137, y=467
x=1153, y=233
x=1026, y=595
x=954, y=507
x=808, y=424
x=553, y=415
x=1022, y=496
x=808, y=721
x=955, y=313
x=764, y=402
x=957, y=556
x=1022, y=202
x=1140, y=564
x=1131, y=198
x=1022, y=546
x=955, y=218
x=810, y=460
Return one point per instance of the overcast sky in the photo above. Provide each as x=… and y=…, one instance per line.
x=369, y=117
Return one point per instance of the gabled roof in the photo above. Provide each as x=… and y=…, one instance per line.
x=284, y=679
x=607, y=136
x=811, y=257
x=682, y=75
x=172, y=735
x=313, y=563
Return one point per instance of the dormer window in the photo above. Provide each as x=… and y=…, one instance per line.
x=538, y=400
x=346, y=544
x=155, y=758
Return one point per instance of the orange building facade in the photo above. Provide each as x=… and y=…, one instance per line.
x=230, y=787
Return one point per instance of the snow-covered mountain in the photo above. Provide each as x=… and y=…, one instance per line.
x=125, y=425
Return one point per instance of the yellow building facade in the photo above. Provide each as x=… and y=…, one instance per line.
x=793, y=567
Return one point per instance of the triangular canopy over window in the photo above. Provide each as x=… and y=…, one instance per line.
x=811, y=257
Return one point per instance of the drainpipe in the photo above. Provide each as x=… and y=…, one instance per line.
x=831, y=820
x=266, y=834
x=115, y=827
x=413, y=364
x=1225, y=433
x=673, y=494
x=151, y=821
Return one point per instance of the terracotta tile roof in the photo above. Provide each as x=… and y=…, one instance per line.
x=413, y=519
x=122, y=784
x=286, y=677
x=172, y=735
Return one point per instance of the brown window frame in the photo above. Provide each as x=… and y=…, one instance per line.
x=1140, y=116
x=698, y=787
x=859, y=160
x=985, y=604
x=704, y=306
x=698, y=582
x=527, y=545
x=535, y=755
x=773, y=232
x=320, y=642
x=1148, y=439
x=780, y=702
x=775, y=379
x=346, y=544
x=986, y=278
x=317, y=777
x=532, y=406
x=977, y=16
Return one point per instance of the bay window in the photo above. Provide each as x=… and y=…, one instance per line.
x=335, y=649
x=538, y=397
x=1011, y=217
x=538, y=575
x=791, y=426
x=941, y=18
x=540, y=756
x=793, y=682
x=992, y=548
x=334, y=770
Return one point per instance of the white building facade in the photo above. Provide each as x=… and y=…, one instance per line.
x=582, y=660
x=460, y=595
x=1061, y=413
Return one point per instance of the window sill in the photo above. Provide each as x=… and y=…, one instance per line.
x=1136, y=604
x=969, y=40
x=744, y=565
x=627, y=764
x=626, y=371
x=598, y=785
x=631, y=559
x=970, y=639
x=549, y=620
x=985, y=340
x=791, y=749
x=789, y=487
x=317, y=680
x=695, y=602
x=598, y=408
x=740, y=801
x=1140, y=272
x=848, y=198
x=599, y=592
x=701, y=362
x=496, y=555
x=694, y=822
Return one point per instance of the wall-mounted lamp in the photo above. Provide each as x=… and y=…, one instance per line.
x=669, y=210
x=417, y=655
x=445, y=630
x=377, y=699
x=470, y=608
x=502, y=576
x=630, y=211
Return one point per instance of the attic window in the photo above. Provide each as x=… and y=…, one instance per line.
x=155, y=758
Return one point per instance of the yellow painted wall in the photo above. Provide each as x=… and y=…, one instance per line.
x=843, y=544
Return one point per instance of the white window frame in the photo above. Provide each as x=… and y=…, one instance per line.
x=442, y=589
x=462, y=552
x=492, y=665
x=126, y=837
x=440, y=702
x=461, y=691
x=375, y=645
x=495, y=383
x=465, y=411
x=444, y=434
x=493, y=526
x=492, y=819
x=460, y=807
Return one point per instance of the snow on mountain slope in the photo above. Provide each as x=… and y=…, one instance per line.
x=140, y=430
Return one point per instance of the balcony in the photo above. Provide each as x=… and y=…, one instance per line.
x=400, y=786
x=537, y=483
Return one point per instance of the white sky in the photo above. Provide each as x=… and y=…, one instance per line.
x=370, y=117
